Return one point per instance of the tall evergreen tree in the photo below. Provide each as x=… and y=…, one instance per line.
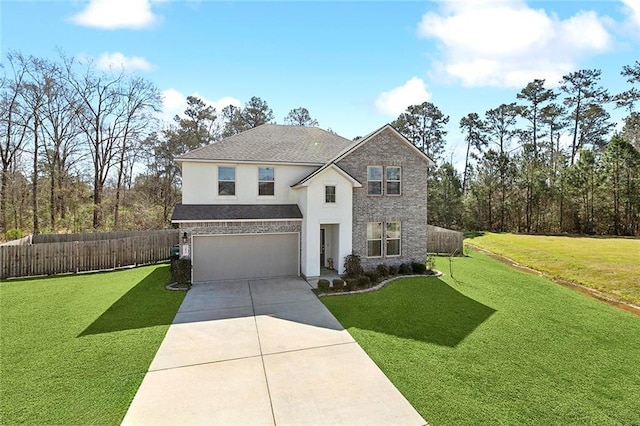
x=583, y=96
x=473, y=128
x=300, y=117
x=424, y=125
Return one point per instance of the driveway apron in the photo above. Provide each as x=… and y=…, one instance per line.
x=263, y=352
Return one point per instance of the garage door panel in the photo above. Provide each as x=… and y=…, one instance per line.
x=225, y=257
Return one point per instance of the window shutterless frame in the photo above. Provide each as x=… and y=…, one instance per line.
x=393, y=238
x=266, y=181
x=226, y=180
x=393, y=176
x=374, y=180
x=374, y=239
x=330, y=194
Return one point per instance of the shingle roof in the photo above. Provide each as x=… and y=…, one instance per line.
x=274, y=143
x=205, y=212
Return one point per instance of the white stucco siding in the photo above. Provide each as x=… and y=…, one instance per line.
x=200, y=183
x=317, y=212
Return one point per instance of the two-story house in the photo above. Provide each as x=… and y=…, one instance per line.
x=288, y=200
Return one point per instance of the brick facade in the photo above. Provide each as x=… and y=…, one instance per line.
x=410, y=208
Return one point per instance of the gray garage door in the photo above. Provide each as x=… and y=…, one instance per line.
x=227, y=257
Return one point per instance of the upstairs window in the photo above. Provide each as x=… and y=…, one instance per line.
x=226, y=180
x=266, y=182
x=329, y=194
x=393, y=180
x=374, y=180
x=374, y=239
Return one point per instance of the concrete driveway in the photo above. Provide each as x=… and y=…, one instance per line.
x=263, y=352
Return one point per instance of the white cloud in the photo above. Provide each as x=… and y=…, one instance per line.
x=116, y=61
x=633, y=10
x=507, y=44
x=115, y=14
x=174, y=103
x=396, y=100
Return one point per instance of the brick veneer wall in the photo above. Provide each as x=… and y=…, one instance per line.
x=410, y=208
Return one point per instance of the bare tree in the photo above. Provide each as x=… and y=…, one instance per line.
x=14, y=125
x=35, y=88
x=99, y=97
x=62, y=149
x=133, y=120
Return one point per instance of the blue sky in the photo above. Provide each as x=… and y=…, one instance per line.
x=354, y=65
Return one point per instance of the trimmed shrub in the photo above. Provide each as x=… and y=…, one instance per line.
x=364, y=281
x=350, y=284
x=181, y=271
x=323, y=284
x=352, y=265
x=419, y=268
x=393, y=270
x=383, y=270
x=405, y=269
x=374, y=276
x=338, y=284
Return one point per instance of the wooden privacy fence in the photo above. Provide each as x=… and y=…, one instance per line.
x=80, y=256
x=94, y=236
x=444, y=241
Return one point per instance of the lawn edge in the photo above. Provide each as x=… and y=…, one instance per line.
x=626, y=306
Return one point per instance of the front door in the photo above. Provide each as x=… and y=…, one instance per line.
x=322, y=248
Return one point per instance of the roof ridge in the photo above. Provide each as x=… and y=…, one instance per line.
x=273, y=142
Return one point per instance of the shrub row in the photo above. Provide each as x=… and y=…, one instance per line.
x=356, y=278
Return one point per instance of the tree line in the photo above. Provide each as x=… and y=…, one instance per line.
x=550, y=161
x=83, y=149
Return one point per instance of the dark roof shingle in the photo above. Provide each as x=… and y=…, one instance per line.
x=204, y=212
x=274, y=143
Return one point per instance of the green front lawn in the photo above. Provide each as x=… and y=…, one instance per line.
x=498, y=346
x=609, y=265
x=74, y=349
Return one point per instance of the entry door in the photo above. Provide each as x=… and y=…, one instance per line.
x=322, y=247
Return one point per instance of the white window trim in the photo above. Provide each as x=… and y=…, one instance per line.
x=382, y=241
x=224, y=196
x=382, y=172
x=387, y=181
x=386, y=238
x=267, y=181
x=335, y=192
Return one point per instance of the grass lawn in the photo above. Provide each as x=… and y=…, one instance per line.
x=74, y=349
x=609, y=265
x=498, y=346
